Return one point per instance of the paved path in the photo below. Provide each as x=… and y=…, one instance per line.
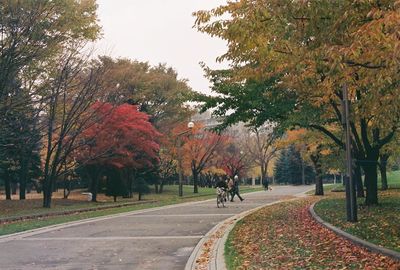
x=149, y=239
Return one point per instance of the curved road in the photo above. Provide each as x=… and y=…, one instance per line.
x=159, y=238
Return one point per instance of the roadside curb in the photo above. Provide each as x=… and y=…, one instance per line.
x=8, y=220
x=70, y=212
x=358, y=241
x=19, y=235
x=191, y=263
x=217, y=258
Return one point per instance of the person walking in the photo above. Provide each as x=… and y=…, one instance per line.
x=231, y=186
x=265, y=183
x=235, y=189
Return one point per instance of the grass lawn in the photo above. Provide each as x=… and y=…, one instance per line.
x=393, y=182
x=377, y=224
x=285, y=236
x=393, y=179
x=16, y=208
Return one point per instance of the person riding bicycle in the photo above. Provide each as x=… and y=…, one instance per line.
x=222, y=187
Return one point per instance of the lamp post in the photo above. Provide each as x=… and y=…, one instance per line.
x=190, y=125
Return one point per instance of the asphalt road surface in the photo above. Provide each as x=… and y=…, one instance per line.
x=148, y=239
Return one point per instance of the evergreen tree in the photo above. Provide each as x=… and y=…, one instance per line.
x=288, y=167
x=294, y=166
x=280, y=170
x=115, y=184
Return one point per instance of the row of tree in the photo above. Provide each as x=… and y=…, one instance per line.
x=114, y=122
x=286, y=69
x=64, y=112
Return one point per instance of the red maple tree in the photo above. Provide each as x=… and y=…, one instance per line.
x=121, y=137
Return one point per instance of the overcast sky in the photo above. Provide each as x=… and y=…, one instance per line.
x=160, y=31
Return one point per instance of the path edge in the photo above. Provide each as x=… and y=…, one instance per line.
x=217, y=260
x=31, y=232
x=354, y=239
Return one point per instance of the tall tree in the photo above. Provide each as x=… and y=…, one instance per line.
x=156, y=90
x=260, y=146
x=120, y=138
x=290, y=38
x=73, y=88
x=288, y=166
x=232, y=159
x=31, y=32
x=32, y=35
x=199, y=151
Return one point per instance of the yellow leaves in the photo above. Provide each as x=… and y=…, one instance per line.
x=326, y=152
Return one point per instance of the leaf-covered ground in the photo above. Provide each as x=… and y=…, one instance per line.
x=285, y=236
x=378, y=224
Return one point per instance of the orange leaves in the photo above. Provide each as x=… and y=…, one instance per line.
x=200, y=148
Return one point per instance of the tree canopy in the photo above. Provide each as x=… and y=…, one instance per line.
x=289, y=39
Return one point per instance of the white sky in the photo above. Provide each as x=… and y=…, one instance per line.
x=160, y=31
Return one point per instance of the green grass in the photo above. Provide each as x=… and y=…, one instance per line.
x=232, y=259
x=393, y=179
x=377, y=224
x=327, y=188
x=168, y=197
x=393, y=182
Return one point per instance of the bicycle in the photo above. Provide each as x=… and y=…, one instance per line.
x=221, y=197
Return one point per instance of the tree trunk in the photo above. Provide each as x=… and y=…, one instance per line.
x=140, y=196
x=67, y=188
x=161, y=186
x=319, y=185
x=7, y=184
x=67, y=184
x=22, y=177
x=130, y=183
x=263, y=174
x=47, y=192
x=14, y=188
x=115, y=198
x=358, y=180
x=156, y=188
x=195, y=182
x=383, y=169
x=371, y=180
x=94, y=187
x=93, y=172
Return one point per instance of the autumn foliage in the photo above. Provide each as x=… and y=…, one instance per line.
x=199, y=149
x=121, y=137
x=285, y=236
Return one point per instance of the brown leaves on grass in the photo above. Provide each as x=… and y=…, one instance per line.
x=378, y=224
x=285, y=236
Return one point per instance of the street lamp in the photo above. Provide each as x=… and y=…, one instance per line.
x=190, y=126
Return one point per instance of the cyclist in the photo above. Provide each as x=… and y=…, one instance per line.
x=221, y=188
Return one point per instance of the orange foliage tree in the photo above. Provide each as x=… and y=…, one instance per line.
x=200, y=150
